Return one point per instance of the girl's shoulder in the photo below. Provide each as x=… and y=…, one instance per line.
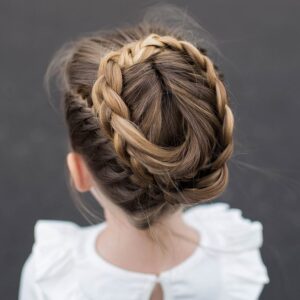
x=52, y=266
x=235, y=241
x=225, y=228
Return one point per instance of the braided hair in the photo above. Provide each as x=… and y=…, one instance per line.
x=150, y=114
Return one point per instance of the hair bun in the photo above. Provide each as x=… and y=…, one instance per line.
x=155, y=126
x=150, y=162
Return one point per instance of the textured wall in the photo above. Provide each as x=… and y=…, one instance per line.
x=259, y=41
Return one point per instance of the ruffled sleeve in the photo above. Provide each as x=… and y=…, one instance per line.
x=237, y=242
x=48, y=273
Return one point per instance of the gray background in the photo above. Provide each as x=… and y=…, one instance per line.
x=260, y=44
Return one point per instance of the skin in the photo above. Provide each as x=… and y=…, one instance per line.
x=122, y=244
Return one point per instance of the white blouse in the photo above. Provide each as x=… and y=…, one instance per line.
x=227, y=264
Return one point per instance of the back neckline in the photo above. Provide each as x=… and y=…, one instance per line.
x=188, y=262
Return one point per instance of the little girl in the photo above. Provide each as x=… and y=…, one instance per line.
x=151, y=132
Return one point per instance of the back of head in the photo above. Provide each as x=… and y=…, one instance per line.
x=149, y=113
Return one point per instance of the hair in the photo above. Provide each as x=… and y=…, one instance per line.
x=149, y=112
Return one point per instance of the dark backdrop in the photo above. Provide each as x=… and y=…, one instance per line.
x=260, y=41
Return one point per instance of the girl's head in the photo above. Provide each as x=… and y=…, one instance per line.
x=148, y=118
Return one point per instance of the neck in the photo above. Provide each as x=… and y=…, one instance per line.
x=126, y=246
x=120, y=234
x=119, y=226
x=130, y=248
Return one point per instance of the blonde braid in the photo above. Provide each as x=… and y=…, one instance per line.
x=131, y=145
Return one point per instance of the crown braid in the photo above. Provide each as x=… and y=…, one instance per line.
x=149, y=113
x=131, y=145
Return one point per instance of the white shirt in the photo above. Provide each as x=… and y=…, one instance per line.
x=227, y=265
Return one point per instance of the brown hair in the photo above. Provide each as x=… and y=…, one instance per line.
x=149, y=113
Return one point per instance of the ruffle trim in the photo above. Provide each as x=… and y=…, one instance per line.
x=53, y=247
x=236, y=239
